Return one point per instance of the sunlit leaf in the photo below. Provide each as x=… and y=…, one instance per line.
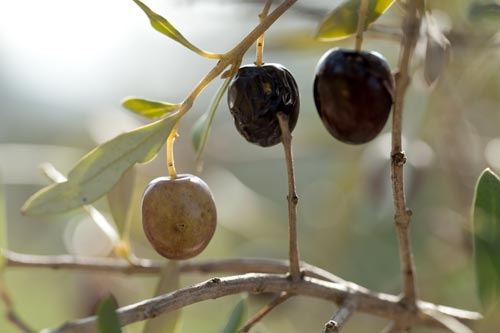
x=482, y=12
x=486, y=222
x=342, y=21
x=437, y=51
x=97, y=172
x=169, y=322
x=120, y=200
x=107, y=319
x=162, y=25
x=237, y=317
x=149, y=109
x=201, y=128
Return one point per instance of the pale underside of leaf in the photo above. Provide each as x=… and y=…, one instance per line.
x=120, y=200
x=97, y=172
x=437, y=51
x=486, y=226
x=342, y=21
x=148, y=108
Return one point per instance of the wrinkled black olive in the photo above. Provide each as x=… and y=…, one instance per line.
x=255, y=96
x=353, y=92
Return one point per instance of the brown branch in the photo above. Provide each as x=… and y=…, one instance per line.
x=265, y=311
x=11, y=313
x=379, y=304
x=293, y=250
x=411, y=25
x=342, y=315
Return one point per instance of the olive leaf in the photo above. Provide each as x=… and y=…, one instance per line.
x=169, y=322
x=237, y=317
x=342, y=21
x=486, y=226
x=484, y=12
x=201, y=129
x=3, y=224
x=107, y=319
x=96, y=173
x=162, y=25
x=120, y=200
x=149, y=109
x=437, y=51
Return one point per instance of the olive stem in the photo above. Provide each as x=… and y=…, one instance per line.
x=292, y=198
x=170, y=151
x=10, y=312
x=281, y=298
x=338, y=320
x=362, y=13
x=402, y=216
x=260, y=40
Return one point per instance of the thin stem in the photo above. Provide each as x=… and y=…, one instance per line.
x=11, y=314
x=338, y=320
x=293, y=250
x=281, y=298
x=170, y=151
x=402, y=216
x=260, y=40
x=362, y=13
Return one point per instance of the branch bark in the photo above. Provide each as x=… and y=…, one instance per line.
x=379, y=304
x=342, y=315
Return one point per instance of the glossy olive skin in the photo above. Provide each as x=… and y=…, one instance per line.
x=178, y=216
x=255, y=96
x=353, y=93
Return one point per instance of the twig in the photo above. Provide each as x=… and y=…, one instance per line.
x=362, y=13
x=264, y=311
x=335, y=324
x=292, y=198
x=379, y=304
x=449, y=322
x=402, y=214
x=260, y=41
x=11, y=314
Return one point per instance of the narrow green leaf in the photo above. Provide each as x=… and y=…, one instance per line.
x=169, y=322
x=162, y=25
x=437, y=51
x=237, y=317
x=342, y=21
x=201, y=129
x=107, y=319
x=96, y=173
x=486, y=224
x=3, y=224
x=485, y=12
x=149, y=109
x=120, y=200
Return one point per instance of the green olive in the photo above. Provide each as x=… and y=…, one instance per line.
x=178, y=215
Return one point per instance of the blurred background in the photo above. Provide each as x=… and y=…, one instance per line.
x=65, y=66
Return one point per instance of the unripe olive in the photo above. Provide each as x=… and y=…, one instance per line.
x=353, y=93
x=255, y=96
x=178, y=215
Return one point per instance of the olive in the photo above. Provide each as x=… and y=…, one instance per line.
x=178, y=215
x=353, y=93
x=256, y=95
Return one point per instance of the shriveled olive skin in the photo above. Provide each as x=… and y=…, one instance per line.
x=255, y=96
x=178, y=216
x=353, y=93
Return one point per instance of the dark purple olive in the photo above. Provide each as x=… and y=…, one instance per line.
x=353, y=92
x=255, y=96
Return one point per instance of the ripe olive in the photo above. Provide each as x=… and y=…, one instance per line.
x=255, y=96
x=178, y=215
x=353, y=93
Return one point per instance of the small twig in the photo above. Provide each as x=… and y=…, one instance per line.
x=338, y=320
x=282, y=297
x=402, y=214
x=449, y=322
x=379, y=304
x=11, y=314
x=260, y=41
x=362, y=13
x=292, y=198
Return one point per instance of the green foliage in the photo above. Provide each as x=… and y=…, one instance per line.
x=3, y=225
x=482, y=12
x=107, y=319
x=237, y=317
x=486, y=222
x=162, y=25
x=201, y=128
x=149, y=109
x=98, y=171
x=167, y=322
x=342, y=21
x=437, y=51
x=120, y=200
